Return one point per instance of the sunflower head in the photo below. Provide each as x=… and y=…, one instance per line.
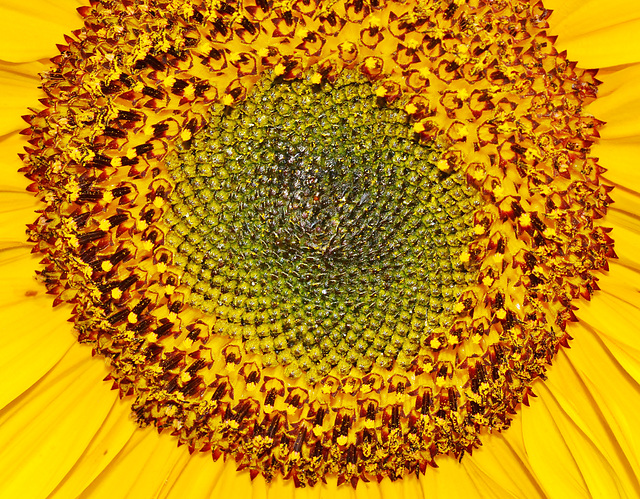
x=323, y=238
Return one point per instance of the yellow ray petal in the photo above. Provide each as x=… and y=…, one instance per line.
x=617, y=155
x=626, y=244
x=617, y=411
x=615, y=316
x=549, y=453
x=605, y=398
x=18, y=94
x=117, y=429
x=35, y=429
x=140, y=468
x=27, y=34
x=596, y=33
x=10, y=146
x=38, y=346
x=618, y=104
x=16, y=209
x=597, y=449
x=500, y=466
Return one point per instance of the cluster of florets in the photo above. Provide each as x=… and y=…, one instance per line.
x=131, y=232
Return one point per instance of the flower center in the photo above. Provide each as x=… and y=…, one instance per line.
x=316, y=228
x=365, y=250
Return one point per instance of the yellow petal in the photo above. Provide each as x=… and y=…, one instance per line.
x=596, y=33
x=140, y=468
x=36, y=429
x=27, y=34
x=112, y=436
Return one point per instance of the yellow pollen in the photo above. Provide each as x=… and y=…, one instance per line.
x=73, y=241
x=418, y=127
x=370, y=62
x=185, y=377
x=381, y=91
x=434, y=343
x=107, y=197
x=227, y=100
x=279, y=69
x=132, y=318
x=185, y=134
x=162, y=267
x=116, y=293
x=316, y=78
x=488, y=281
x=525, y=220
x=465, y=256
x=342, y=440
x=117, y=161
x=424, y=72
x=106, y=265
x=104, y=225
x=501, y=314
x=410, y=108
x=443, y=165
x=131, y=153
x=190, y=91
x=462, y=94
x=158, y=202
x=531, y=154
x=205, y=47
x=168, y=81
x=479, y=229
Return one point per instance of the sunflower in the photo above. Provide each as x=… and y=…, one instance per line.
x=63, y=435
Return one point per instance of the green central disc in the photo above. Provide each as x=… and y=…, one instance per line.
x=310, y=222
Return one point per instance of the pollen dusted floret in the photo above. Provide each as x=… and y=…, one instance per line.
x=477, y=83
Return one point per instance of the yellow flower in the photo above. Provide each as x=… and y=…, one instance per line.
x=61, y=433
